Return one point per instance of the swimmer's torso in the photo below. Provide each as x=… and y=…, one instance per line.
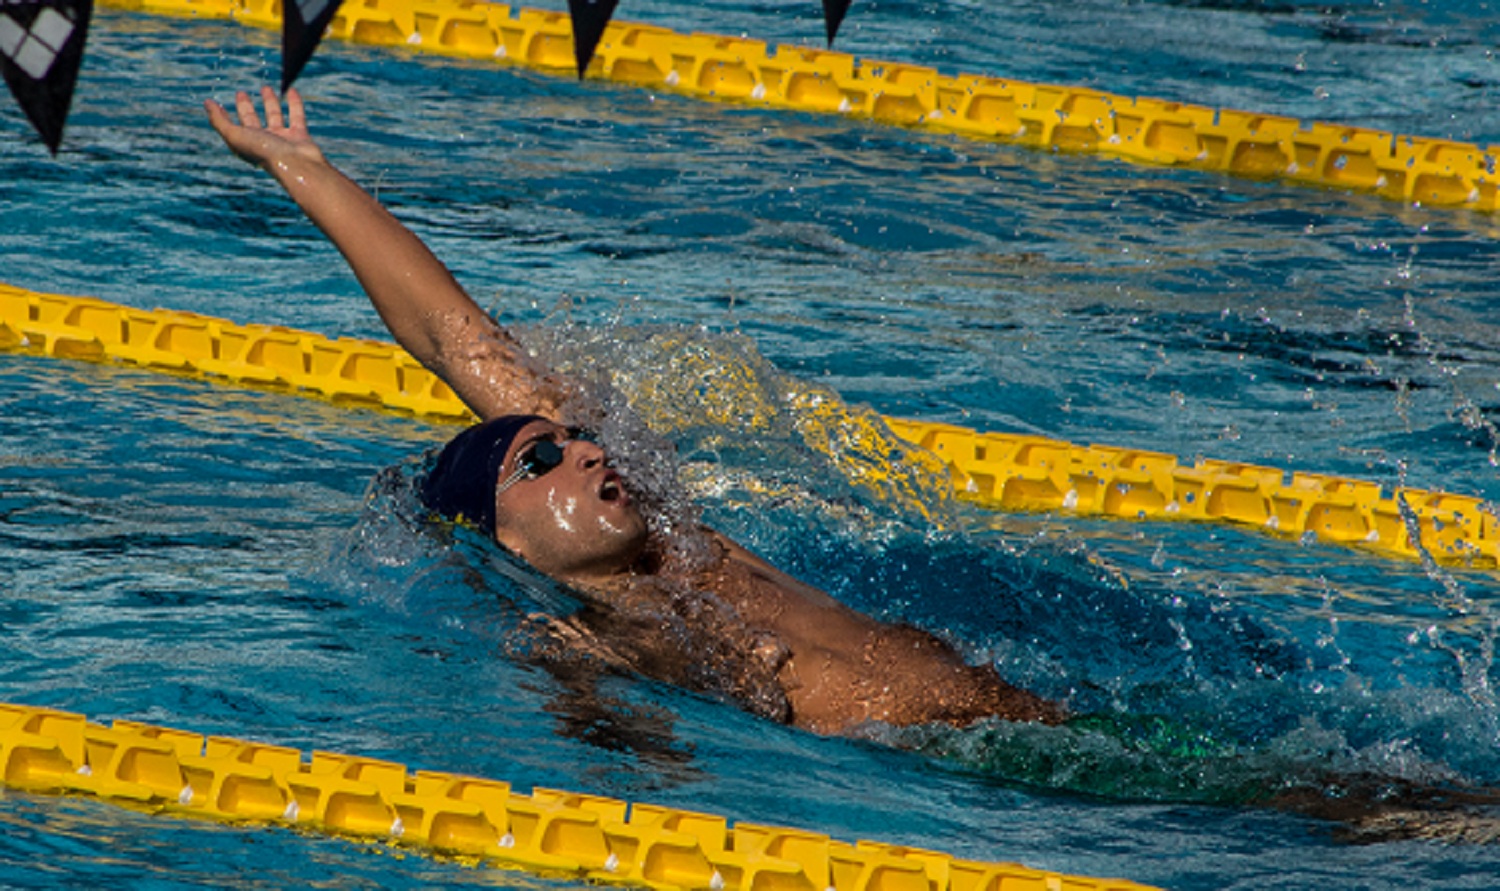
x=791, y=652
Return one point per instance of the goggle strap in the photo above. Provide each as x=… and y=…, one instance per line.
x=533, y=463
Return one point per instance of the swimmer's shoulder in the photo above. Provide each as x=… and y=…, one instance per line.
x=751, y=568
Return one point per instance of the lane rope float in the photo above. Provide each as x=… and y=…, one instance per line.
x=1075, y=119
x=609, y=841
x=551, y=832
x=1000, y=471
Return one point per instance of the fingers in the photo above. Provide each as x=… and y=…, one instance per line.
x=283, y=135
x=218, y=118
x=245, y=106
x=269, y=99
x=295, y=110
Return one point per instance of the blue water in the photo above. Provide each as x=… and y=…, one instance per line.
x=243, y=562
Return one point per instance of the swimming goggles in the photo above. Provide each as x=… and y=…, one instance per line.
x=541, y=458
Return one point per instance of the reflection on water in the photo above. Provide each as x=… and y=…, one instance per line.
x=745, y=281
x=1251, y=690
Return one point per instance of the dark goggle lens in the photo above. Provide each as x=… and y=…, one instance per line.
x=540, y=458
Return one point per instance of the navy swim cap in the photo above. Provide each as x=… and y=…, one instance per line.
x=462, y=483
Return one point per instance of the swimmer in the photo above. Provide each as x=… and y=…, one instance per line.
x=552, y=497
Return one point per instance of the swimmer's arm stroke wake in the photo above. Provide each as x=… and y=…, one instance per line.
x=417, y=297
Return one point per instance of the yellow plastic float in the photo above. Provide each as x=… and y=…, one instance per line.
x=1074, y=119
x=551, y=832
x=997, y=470
x=610, y=841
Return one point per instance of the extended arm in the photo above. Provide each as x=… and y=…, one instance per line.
x=417, y=297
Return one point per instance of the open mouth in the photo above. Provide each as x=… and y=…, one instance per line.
x=611, y=489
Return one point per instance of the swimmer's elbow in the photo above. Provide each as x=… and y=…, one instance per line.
x=1011, y=703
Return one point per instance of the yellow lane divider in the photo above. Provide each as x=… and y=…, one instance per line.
x=996, y=470
x=551, y=832
x=1075, y=119
x=345, y=370
x=1030, y=473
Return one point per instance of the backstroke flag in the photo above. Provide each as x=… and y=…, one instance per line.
x=833, y=16
x=589, y=19
x=41, y=48
x=302, y=25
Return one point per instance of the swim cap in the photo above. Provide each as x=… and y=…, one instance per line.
x=462, y=483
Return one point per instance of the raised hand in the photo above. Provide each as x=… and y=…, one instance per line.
x=276, y=142
x=421, y=303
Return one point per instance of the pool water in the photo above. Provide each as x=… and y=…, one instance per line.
x=247, y=563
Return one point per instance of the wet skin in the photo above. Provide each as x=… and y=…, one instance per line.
x=837, y=667
x=831, y=668
x=576, y=522
x=792, y=652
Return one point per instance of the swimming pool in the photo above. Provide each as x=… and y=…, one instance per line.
x=214, y=558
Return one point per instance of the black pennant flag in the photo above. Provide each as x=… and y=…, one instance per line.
x=41, y=48
x=833, y=16
x=589, y=19
x=302, y=25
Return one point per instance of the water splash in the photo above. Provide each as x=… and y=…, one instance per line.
x=1450, y=597
x=657, y=393
x=1188, y=697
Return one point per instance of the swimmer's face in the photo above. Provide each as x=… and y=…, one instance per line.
x=574, y=521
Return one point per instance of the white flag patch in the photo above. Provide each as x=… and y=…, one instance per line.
x=34, y=51
x=311, y=9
